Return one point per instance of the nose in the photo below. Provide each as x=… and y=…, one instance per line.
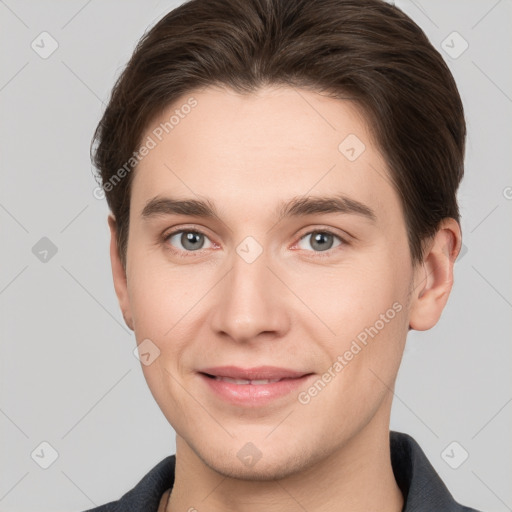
x=251, y=302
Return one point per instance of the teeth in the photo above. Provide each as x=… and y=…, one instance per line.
x=233, y=381
x=244, y=381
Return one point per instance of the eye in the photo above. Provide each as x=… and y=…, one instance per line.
x=187, y=241
x=320, y=240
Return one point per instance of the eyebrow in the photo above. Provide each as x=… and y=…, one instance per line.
x=159, y=206
x=295, y=207
x=299, y=206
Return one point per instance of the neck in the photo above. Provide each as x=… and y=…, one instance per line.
x=357, y=477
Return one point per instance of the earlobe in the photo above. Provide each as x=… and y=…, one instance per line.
x=119, y=274
x=434, y=277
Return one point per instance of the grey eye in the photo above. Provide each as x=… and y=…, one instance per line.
x=189, y=240
x=320, y=240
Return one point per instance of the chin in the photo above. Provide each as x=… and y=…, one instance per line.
x=272, y=464
x=259, y=473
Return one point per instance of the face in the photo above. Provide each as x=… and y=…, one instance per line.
x=296, y=267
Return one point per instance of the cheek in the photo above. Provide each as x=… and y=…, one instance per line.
x=161, y=295
x=362, y=312
x=348, y=298
x=167, y=306
x=361, y=364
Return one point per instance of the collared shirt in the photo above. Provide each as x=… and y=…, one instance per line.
x=421, y=486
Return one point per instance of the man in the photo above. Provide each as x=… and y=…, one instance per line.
x=282, y=178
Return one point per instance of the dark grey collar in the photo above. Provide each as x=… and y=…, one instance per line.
x=421, y=486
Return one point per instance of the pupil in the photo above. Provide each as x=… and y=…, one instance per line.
x=191, y=238
x=319, y=238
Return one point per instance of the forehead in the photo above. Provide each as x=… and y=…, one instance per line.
x=260, y=148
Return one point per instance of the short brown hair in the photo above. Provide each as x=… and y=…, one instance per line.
x=367, y=50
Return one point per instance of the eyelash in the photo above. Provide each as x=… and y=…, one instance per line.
x=188, y=254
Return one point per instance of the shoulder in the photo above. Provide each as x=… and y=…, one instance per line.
x=419, y=482
x=146, y=496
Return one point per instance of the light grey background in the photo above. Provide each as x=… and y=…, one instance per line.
x=68, y=375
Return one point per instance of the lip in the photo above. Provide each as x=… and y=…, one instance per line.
x=255, y=373
x=253, y=395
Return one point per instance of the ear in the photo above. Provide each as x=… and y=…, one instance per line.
x=433, y=279
x=119, y=274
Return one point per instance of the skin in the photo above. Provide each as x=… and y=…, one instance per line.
x=295, y=306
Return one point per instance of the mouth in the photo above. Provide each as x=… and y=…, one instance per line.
x=271, y=373
x=252, y=387
x=255, y=382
